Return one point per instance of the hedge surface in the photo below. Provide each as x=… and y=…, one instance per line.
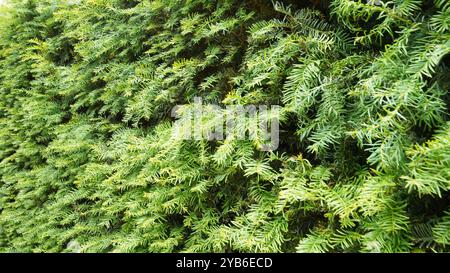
x=89, y=161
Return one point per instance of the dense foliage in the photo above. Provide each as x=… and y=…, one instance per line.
x=88, y=158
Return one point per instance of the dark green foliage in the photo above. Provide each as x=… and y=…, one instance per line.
x=88, y=158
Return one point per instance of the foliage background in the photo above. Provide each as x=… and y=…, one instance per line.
x=86, y=151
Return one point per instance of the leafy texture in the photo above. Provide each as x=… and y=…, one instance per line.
x=88, y=157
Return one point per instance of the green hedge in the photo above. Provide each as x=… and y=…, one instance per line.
x=89, y=161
